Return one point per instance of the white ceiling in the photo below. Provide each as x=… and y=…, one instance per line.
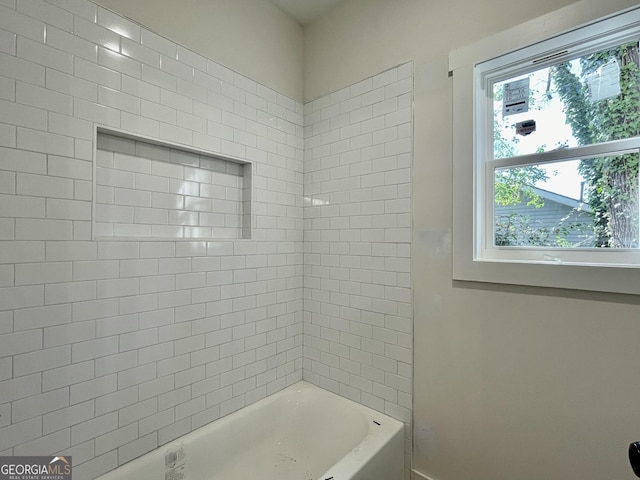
x=305, y=11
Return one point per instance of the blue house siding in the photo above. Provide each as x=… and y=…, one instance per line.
x=557, y=211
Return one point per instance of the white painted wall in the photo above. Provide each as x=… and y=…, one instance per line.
x=251, y=37
x=509, y=382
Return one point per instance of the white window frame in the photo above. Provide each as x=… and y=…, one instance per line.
x=473, y=260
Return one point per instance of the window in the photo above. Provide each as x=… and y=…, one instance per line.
x=546, y=155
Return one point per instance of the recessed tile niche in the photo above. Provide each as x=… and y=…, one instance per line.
x=152, y=190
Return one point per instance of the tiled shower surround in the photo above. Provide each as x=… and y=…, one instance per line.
x=357, y=243
x=111, y=348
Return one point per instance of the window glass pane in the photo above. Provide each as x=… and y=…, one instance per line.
x=588, y=100
x=589, y=203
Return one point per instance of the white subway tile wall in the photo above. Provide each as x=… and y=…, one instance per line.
x=109, y=349
x=357, y=243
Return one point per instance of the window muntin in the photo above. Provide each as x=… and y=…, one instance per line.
x=529, y=120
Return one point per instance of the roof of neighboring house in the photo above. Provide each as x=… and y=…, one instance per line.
x=568, y=201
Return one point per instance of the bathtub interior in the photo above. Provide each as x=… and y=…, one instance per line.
x=300, y=433
x=297, y=435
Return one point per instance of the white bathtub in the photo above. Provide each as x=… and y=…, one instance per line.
x=300, y=433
